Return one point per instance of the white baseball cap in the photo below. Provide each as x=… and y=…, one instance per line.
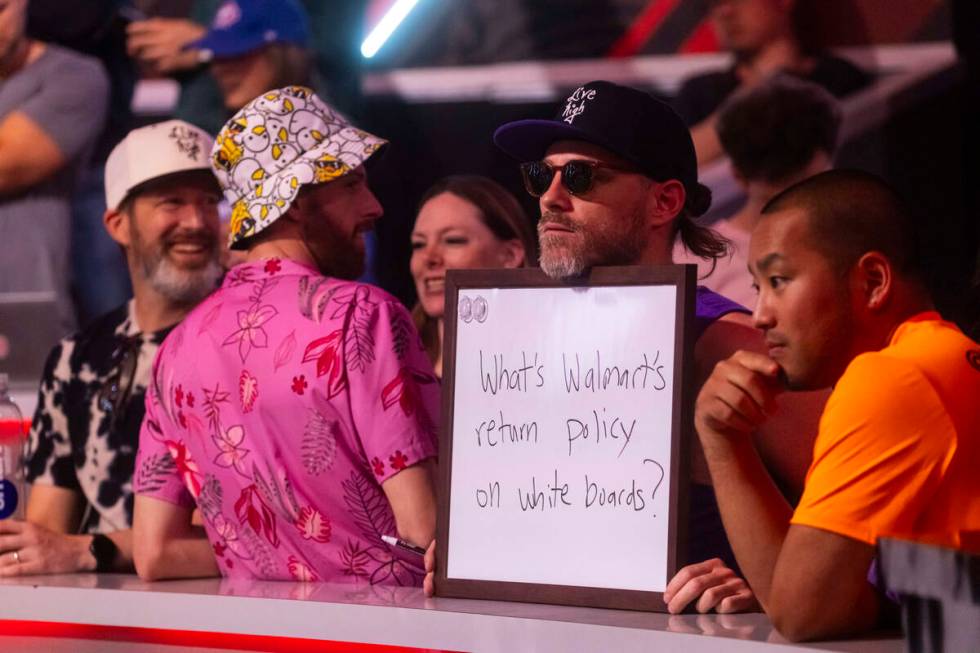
x=154, y=151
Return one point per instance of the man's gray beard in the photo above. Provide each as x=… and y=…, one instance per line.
x=561, y=264
x=183, y=287
x=596, y=249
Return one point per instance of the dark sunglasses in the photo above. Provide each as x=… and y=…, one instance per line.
x=577, y=176
x=115, y=393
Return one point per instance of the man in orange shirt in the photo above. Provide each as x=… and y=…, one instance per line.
x=842, y=305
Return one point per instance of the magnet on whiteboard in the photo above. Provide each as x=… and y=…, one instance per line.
x=480, y=309
x=465, y=309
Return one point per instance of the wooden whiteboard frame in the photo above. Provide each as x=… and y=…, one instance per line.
x=683, y=277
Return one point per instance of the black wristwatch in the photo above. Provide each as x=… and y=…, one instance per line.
x=104, y=550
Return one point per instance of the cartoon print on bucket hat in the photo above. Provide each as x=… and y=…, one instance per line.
x=276, y=144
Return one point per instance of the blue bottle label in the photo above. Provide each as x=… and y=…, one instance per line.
x=8, y=499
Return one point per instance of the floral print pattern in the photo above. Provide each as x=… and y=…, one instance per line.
x=299, y=384
x=250, y=332
x=279, y=407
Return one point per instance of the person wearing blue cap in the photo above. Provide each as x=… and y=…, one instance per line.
x=252, y=46
x=255, y=46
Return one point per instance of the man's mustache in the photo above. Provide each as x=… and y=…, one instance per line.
x=556, y=218
x=201, y=237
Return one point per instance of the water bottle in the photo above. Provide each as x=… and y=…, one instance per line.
x=12, y=439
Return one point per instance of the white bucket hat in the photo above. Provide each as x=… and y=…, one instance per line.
x=151, y=152
x=279, y=142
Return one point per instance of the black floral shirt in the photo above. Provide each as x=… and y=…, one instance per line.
x=85, y=431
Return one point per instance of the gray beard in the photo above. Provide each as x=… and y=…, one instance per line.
x=184, y=287
x=597, y=249
x=561, y=265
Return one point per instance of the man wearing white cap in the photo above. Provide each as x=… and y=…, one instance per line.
x=312, y=427
x=163, y=213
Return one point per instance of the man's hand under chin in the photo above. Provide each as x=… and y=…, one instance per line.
x=737, y=398
x=28, y=549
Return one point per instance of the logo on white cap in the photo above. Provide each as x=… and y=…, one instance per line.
x=575, y=104
x=173, y=146
x=188, y=141
x=229, y=14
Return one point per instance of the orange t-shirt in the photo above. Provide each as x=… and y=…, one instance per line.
x=898, y=449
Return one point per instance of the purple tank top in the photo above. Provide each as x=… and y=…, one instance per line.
x=706, y=537
x=709, y=306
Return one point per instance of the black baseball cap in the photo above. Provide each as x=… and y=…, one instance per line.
x=628, y=122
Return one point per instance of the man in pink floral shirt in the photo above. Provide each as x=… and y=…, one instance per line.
x=295, y=409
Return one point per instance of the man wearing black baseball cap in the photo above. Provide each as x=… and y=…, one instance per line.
x=615, y=174
x=628, y=180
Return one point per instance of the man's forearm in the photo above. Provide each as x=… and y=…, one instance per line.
x=185, y=557
x=50, y=534
x=413, y=502
x=28, y=154
x=754, y=512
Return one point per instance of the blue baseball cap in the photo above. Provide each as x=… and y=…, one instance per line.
x=242, y=26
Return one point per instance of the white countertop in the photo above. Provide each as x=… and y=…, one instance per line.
x=389, y=617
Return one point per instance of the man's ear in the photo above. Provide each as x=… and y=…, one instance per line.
x=666, y=201
x=296, y=208
x=512, y=254
x=117, y=224
x=876, y=278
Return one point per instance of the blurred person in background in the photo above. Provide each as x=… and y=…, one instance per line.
x=251, y=47
x=98, y=29
x=163, y=214
x=762, y=38
x=464, y=221
x=775, y=134
x=52, y=110
x=160, y=45
x=255, y=46
x=326, y=33
x=312, y=429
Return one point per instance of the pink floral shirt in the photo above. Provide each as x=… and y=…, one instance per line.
x=278, y=407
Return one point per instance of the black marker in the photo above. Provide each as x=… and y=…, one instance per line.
x=403, y=545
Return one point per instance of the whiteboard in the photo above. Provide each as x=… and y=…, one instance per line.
x=560, y=411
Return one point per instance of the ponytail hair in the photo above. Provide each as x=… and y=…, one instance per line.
x=704, y=242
